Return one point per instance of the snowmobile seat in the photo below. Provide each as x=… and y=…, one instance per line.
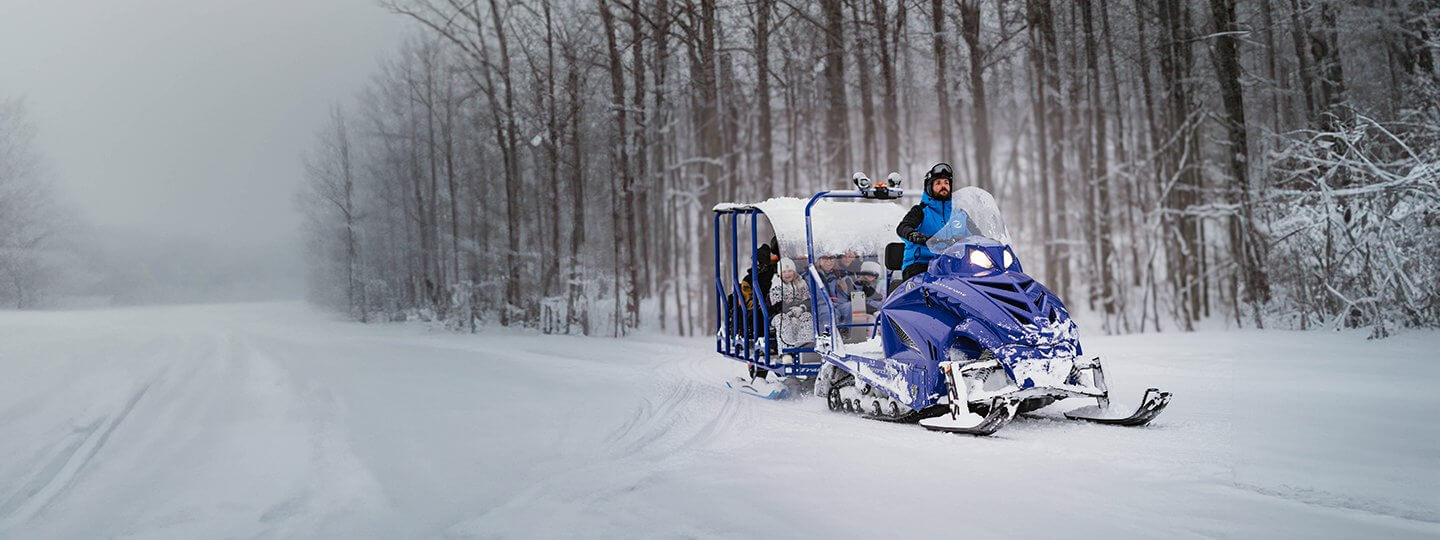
x=895, y=256
x=894, y=262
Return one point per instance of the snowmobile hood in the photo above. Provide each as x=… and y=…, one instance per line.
x=1012, y=307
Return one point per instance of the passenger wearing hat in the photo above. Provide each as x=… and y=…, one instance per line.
x=793, y=322
x=765, y=261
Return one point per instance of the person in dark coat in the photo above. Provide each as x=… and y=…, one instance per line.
x=765, y=261
x=926, y=218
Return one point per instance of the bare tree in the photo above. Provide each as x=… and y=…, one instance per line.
x=31, y=218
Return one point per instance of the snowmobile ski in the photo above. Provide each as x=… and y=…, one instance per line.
x=1002, y=411
x=1150, y=407
x=759, y=387
x=959, y=419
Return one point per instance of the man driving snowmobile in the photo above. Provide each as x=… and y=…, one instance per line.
x=926, y=218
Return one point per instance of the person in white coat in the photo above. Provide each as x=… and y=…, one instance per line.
x=794, y=324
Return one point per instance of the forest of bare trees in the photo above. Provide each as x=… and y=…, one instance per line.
x=1161, y=163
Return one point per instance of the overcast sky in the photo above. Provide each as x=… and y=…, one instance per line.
x=188, y=117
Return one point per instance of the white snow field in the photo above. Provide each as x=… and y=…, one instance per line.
x=279, y=421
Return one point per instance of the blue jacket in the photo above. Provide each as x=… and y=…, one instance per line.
x=933, y=214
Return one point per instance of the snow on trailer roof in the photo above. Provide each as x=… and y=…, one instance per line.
x=860, y=225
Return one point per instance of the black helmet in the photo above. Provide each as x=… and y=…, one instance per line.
x=940, y=170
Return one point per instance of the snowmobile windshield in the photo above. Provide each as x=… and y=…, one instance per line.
x=973, y=212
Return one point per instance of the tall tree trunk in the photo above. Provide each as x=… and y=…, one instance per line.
x=1243, y=236
x=980, y=116
x=1123, y=160
x=579, y=314
x=636, y=193
x=620, y=159
x=1058, y=251
x=1173, y=73
x=1298, y=30
x=1039, y=100
x=764, y=10
x=942, y=91
x=1105, y=264
x=668, y=228
x=447, y=134
x=552, y=152
x=890, y=109
x=837, y=132
x=1272, y=71
x=435, y=282
x=1325, y=42
x=708, y=130
x=352, y=292
x=867, y=93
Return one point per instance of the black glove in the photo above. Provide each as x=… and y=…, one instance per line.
x=869, y=291
x=917, y=237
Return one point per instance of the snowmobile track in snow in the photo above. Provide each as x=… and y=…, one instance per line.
x=64, y=467
x=686, y=415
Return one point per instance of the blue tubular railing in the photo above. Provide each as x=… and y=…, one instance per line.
x=810, y=260
x=815, y=280
x=738, y=302
x=810, y=252
x=734, y=319
x=749, y=328
x=762, y=300
x=722, y=334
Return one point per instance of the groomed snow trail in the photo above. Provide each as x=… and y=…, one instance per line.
x=278, y=421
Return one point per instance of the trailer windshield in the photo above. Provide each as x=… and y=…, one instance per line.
x=973, y=212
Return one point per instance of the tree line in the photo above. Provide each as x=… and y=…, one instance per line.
x=1161, y=163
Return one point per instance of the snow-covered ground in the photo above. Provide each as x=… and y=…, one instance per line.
x=276, y=421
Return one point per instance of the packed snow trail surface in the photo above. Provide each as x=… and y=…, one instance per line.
x=276, y=421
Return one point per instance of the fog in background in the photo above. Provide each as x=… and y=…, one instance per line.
x=175, y=129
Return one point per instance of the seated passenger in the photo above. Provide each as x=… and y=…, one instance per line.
x=868, y=281
x=794, y=325
x=837, y=287
x=764, y=261
x=850, y=262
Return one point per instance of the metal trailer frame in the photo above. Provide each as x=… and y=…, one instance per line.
x=744, y=333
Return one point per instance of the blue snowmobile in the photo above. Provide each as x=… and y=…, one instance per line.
x=961, y=348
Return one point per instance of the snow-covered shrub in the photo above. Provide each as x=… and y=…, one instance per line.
x=1353, y=215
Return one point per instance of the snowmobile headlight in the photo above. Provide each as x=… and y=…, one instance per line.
x=980, y=259
x=1009, y=258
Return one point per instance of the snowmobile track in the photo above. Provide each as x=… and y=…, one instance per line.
x=64, y=468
